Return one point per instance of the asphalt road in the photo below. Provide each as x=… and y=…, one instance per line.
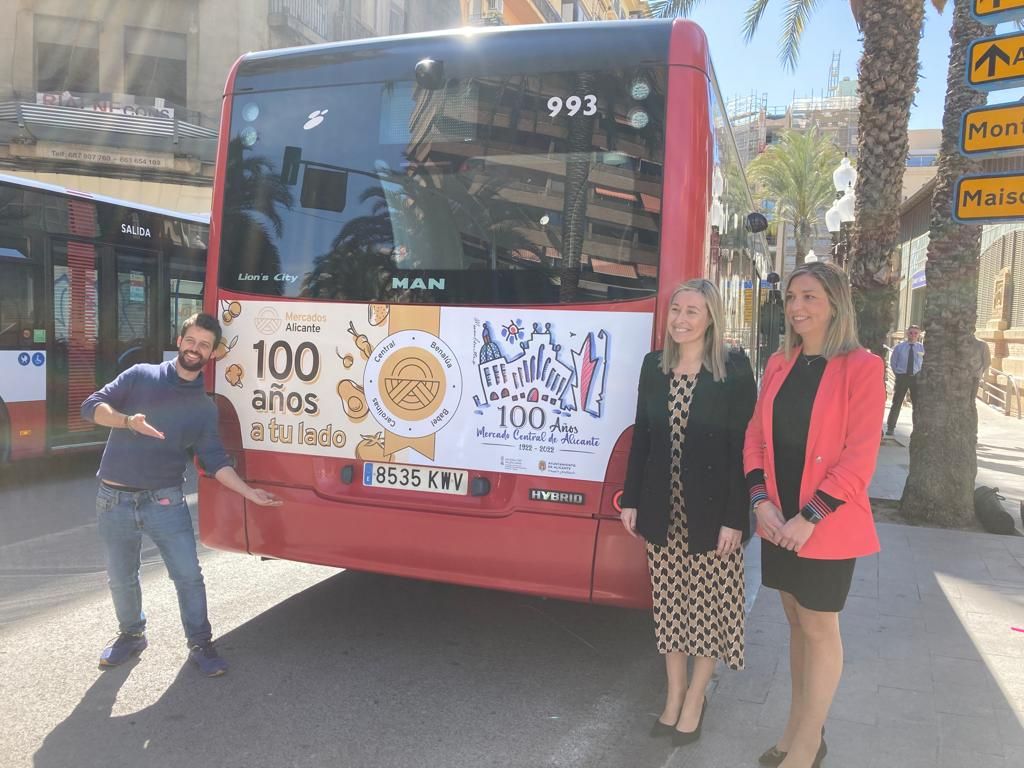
x=49, y=551
x=328, y=668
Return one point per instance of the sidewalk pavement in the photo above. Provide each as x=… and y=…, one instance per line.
x=1000, y=458
x=933, y=633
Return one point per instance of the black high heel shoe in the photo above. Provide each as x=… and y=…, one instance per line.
x=774, y=756
x=682, y=738
x=660, y=729
x=822, y=751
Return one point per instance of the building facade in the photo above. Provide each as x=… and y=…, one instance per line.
x=497, y=12
x=123, y=98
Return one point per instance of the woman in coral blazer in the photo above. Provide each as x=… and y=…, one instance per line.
x=809, y=455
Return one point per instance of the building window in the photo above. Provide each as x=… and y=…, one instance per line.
x=67, y=55
x=396, y=21
x=367, y=13
x=155, y=64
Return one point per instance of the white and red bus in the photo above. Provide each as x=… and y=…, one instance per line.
x=440, y=260
x=89, y=286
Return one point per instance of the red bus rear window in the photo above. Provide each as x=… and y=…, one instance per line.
x=520, y=189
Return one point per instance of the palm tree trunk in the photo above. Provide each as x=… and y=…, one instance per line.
x=943, y=449
x=803, y=244
x=887, y=80
x=579, y=145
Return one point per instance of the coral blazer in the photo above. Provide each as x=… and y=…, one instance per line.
x=842, y=448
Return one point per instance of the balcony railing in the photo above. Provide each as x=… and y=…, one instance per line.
x=547, y=9
x=311, y=14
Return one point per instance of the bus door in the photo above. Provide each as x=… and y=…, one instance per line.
x=76, y=365
x=136, y=337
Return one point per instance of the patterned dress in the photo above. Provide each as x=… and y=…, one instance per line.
x=698, y=599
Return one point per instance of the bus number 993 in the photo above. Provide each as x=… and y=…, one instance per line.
x=572, y=105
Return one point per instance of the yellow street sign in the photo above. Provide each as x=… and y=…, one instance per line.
x=996, y=62
x=989, y=198
x=996, y=11
x=989, y=129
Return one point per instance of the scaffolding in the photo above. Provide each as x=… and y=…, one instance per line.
x=747, y=116
x=833, y=74
x=834, y=116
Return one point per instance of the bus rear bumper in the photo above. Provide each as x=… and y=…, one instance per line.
x=525, y=552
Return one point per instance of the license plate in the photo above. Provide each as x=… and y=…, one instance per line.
x=407, y=477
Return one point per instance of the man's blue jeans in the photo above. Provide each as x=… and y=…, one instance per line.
x=123, y=517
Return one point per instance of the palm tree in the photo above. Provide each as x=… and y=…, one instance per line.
x=943, y=448
x=887, y=76
x=254, y=195
x=797, y=175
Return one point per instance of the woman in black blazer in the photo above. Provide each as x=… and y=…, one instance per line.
x=686, y=495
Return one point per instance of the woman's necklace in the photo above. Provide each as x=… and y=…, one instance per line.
x=808, y=359
x=688, y=371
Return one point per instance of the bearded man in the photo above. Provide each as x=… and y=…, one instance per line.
x=157, y=415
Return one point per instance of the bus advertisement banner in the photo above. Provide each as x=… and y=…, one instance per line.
x=529, y=391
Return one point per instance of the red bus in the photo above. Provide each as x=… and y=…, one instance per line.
x=89, y=286
x=440, y=260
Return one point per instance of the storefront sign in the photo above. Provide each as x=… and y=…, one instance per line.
x=108, y=106
x=78, y=153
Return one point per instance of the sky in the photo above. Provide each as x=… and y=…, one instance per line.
x=830, y=29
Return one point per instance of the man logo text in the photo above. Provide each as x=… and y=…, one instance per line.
x=430, y=284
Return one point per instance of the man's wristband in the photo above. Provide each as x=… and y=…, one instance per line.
x=128, y=423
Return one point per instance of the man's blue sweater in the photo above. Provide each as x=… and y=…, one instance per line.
x=178, y=408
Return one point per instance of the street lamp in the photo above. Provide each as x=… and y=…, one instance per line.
x=842, y=211
x=845, y=176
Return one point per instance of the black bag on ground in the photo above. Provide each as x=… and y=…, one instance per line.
x=989, y=510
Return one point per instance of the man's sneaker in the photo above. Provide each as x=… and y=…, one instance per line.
x=207, y=659
x=122, y=648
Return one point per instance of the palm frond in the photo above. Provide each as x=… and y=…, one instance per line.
x=940, y=5
x=752, y=18
x=797, y=175
x=664, y=9
x=794, y=22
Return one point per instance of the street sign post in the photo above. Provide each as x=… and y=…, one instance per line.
x=996, y=62
x=991, y=197
x=988, y=130
x=997, y=11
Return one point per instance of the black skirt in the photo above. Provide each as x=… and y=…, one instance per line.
x=818, y=585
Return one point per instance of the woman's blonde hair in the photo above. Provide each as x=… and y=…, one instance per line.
x=714, y=344
x=841, y=336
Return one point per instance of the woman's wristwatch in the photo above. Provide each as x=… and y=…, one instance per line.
x=810, y=515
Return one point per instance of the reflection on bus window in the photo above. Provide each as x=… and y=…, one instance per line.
x=433, y=192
